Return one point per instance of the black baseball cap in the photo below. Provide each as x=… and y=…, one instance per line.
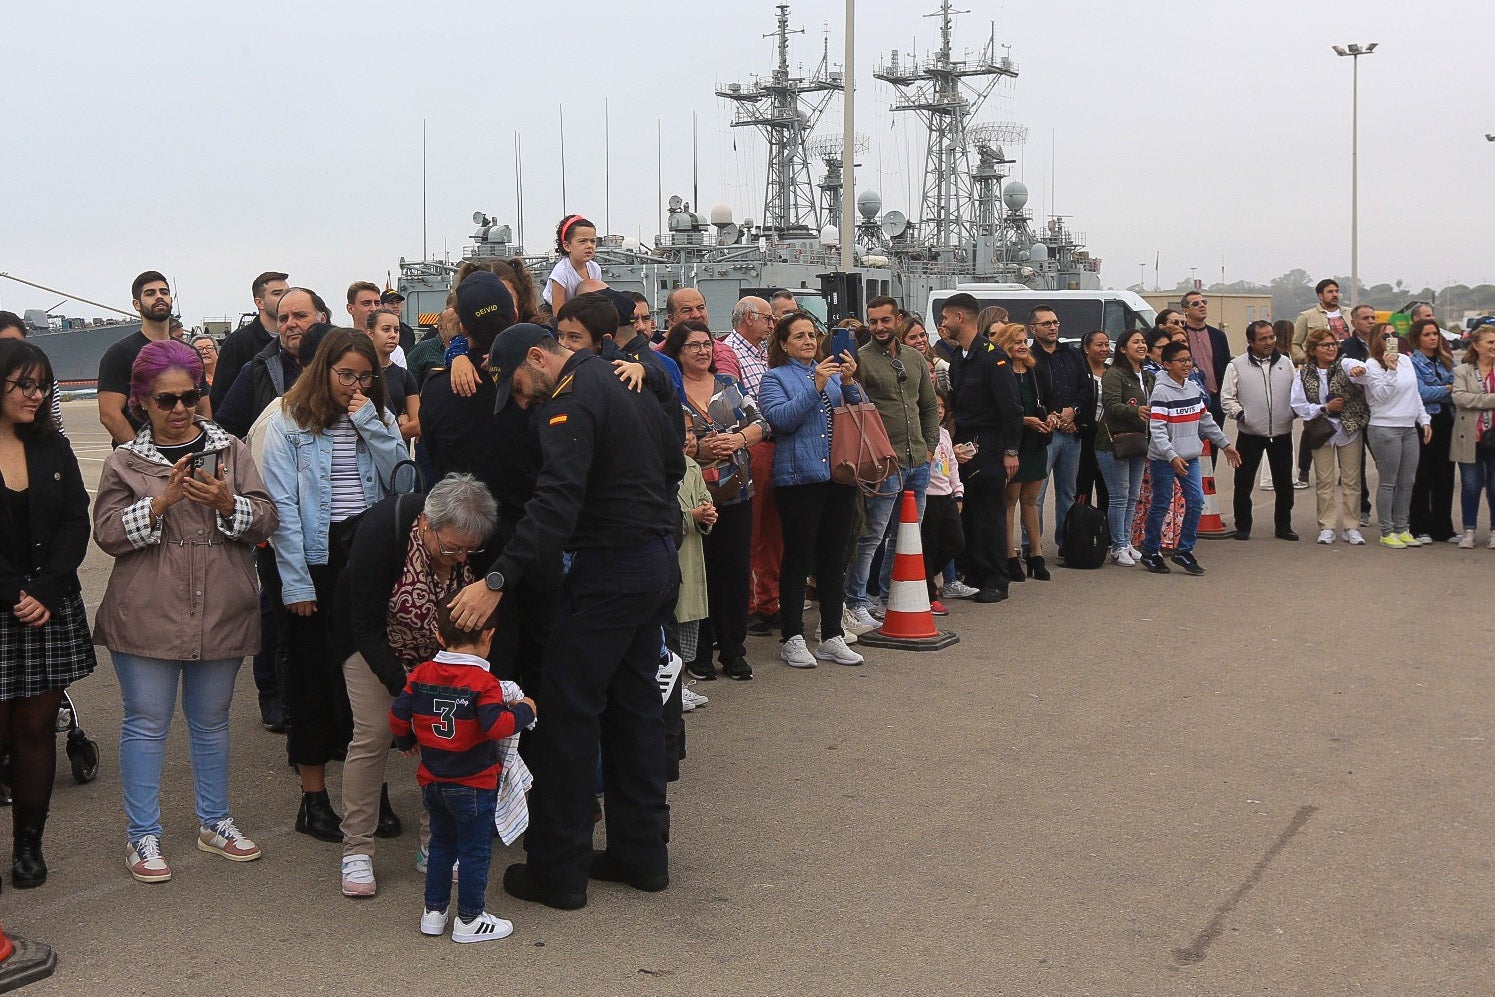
x=484, y=305
x=390, y=296
x=963, y=301
x=509, y=351
x=622, y=303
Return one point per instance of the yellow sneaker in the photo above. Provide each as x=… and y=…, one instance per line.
x=1408, y=540
x=1393, y=541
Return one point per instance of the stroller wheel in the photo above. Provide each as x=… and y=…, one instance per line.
x=83, y=754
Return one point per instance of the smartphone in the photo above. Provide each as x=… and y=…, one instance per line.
x=843, y=344
x=207, y=463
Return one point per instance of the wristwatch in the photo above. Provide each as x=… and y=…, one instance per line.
x=1009, y=453
x=494, y=580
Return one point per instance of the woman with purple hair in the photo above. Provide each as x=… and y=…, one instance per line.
x=181, y=508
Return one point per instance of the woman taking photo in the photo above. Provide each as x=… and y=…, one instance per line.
x=44, y=640
x=1431, y=518
x=1397, y=420
x=797, y=396
x=1095, y=347
x=1474, y=431
x=1323, y=388
x=409, y=553
x=722, y=422
x=1036, y=391
x=180, y=508
x=1125, y=388
x=329, y=454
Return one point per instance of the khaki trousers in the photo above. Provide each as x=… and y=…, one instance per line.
x=363, y=771
x=1335, y=468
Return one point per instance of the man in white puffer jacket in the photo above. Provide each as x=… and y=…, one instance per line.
x=1257, y=394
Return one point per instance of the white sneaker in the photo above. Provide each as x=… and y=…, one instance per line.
x=433, y=923
x=1136, y=554
x=669, y=671
x=1299, y=484
x=857, y=620
x=795, y=654
x=689, y=700
x=146, y=863
x=483, y=928
x=358, y=876
x=851, y=638
x=1466, y=542
x=225, y=839
x=959, y=590
x=1123, y=557
x=1491, y=544
x=1326, y=536
x=1425, y=539
x=836, y=650
x=1354, y=538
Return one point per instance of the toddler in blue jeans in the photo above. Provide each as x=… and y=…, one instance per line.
x=453, y=712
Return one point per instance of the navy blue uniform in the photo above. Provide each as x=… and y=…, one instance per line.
x=989, y=413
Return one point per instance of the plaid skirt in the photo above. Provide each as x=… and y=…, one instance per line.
x=34, y=660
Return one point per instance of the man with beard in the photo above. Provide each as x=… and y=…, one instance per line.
x=247, y=340
x=606, y=494
x=151, y=296
x=275, y=367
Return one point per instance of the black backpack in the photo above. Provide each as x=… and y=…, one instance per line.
x=1087, y=536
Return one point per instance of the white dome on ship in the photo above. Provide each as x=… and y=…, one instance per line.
x=1015, y=195
x=869, y=203
x=721, y=215
x=830, y=236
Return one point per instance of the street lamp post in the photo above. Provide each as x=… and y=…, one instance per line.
x=1355, y=52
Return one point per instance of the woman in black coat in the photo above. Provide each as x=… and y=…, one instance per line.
x=44, y=640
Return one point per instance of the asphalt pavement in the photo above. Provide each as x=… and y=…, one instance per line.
x=1271, y=779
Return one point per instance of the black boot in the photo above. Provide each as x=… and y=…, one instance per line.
x=390, y=825
x=1036, y=569
x=29, y=869
x=1015, y=569
x=316, y=817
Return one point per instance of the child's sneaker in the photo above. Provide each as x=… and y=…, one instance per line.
x=938, y=608
x=146, y=863
x=223, y=838
x=433, y=923
x=483, y=928
x=358, y=876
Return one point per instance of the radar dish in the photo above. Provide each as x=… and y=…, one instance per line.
x=869, y=203
x=996, y=133
x=676, y=202
x=1015, y=195
x=728, y=234
x=721, y=215
x=478, y=218
x=894, y=224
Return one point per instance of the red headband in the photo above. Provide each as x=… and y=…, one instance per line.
x=566, y=225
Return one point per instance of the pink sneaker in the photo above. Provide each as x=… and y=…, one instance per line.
x=938, y=608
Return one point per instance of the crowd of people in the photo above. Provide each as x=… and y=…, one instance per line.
x=523, y=543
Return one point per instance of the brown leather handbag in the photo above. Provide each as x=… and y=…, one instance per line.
x=860, y=452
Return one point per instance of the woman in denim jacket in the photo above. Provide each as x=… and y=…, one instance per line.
x=797, y=396
x=1432, y=490
x=329, y=453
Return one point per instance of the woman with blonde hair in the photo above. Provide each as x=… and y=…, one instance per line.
x=1473, y=445
x=1036, y=391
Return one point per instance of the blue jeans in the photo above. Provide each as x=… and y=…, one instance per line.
x=1162, y=497
x=881, y=525
x=1064, y=467
x=1123, y=477
x=1473, y=479
x=461, y=830
x=148, y=686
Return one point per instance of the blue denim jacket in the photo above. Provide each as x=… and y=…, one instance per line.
x=800, y=419
x=298, y=474
x=1434, y=382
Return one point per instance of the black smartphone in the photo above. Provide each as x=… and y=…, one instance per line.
x=206, y=463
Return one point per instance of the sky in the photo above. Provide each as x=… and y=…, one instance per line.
x=215, y=141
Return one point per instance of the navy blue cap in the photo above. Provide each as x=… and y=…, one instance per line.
x=484, y=305
x=508, y=353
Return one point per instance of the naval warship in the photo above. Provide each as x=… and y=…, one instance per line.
x=972, y=224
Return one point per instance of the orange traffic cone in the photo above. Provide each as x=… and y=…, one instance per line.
x=1211, y=525
x=23, y=962
x=909, y=625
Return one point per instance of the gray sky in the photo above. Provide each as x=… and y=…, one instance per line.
x=213, y=141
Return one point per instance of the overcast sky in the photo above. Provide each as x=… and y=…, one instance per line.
x=213, y=141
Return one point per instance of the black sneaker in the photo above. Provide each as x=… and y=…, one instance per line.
x=703, y=670
x=737, y=669
x=1184, y=559
x=1154, y=562
x=764, y=626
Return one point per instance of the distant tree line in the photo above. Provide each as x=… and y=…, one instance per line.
x=1293, y=292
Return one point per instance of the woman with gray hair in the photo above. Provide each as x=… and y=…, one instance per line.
x=409, y=553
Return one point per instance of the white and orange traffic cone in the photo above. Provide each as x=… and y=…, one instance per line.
x=909, y=625
x=1211, y=526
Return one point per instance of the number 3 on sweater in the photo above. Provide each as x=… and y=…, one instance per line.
x=446, y=728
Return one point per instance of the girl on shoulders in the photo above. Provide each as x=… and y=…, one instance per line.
x=576, y=241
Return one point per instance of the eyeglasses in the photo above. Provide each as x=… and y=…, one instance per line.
x=1175, y=321
x=1181, y=361
x=898, y=369
x=441, y=548
x=1045, y=325
x=30, y=388
x=347, y=378
x=699, y=345
x=166, y=401
x=1328, y=346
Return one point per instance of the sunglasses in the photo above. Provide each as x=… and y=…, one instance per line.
x=30, y=388
x=898, y=369
x=1197, y=301
x=347, y=378
x=167, y=401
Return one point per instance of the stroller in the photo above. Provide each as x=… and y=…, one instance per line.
x=82, y=751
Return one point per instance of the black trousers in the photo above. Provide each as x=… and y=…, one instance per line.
x=729, y=549
x=1432, y=490
x=984, y=520
x=817, y=527
x=524, y=621
x=1279, y=451
x=598, y=691
x=1089, y=479
x=270, y=662
x=316, y=697
x=942, y=536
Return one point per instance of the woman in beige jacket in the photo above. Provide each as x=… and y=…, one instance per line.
x=181, y=508
x=1473, y=447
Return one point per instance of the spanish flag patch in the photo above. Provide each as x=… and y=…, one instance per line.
x=558, y=420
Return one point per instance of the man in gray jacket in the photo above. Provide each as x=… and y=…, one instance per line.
x=1256, y=394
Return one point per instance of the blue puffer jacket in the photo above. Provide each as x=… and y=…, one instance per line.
x=801, y=419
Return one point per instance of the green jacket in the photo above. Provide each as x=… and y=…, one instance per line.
x=692, y=604
x=908, y=408
x=1120, y=394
